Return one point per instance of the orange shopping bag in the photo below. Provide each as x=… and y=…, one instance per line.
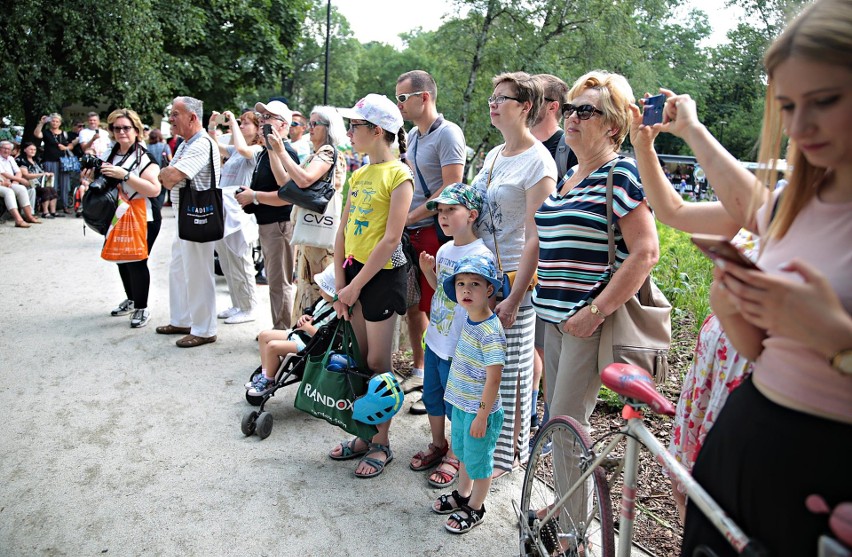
x=127, y=237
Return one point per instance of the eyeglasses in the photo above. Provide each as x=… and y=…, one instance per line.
x=583, y=112
x=500, y=99
x=312, y=125
x=122, y=129
x=402, y=97
x=353, y=125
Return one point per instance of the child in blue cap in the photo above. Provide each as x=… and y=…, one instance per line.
x=473, y=390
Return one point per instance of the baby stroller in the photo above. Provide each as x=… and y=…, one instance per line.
x=289, y=371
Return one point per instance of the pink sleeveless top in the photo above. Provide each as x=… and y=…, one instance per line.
x=788, y=372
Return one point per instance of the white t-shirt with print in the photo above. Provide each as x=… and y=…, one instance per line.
x=504, y=208
x=446, y=318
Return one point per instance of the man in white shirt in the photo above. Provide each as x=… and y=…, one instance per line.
x=192, y=284
x=298, y=140
x=93, y=137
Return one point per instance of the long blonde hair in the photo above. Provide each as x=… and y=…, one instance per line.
x=821, y=33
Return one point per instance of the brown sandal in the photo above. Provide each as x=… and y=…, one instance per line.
x=447, y=478
x=429, y=457
x=190, y=341
x=172, y=330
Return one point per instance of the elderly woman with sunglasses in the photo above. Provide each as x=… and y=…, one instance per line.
x=326, y=131
x=577, y=288
x=516, y=178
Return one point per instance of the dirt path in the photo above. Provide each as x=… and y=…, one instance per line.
x=114, y=441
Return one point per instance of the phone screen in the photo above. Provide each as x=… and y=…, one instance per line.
x=719, y=247
x=652, y=113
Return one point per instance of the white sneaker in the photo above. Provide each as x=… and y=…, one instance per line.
x=228, y=313
x=239, y=317
x=140, y=318
x=412, y=383
x=124, y=308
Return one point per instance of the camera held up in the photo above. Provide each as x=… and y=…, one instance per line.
x=100, y=181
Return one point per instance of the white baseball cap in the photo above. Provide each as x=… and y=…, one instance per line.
x=276, y=108
x=376, y=109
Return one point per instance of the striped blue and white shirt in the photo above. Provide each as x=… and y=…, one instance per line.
x=573, y=251
x=481, y=345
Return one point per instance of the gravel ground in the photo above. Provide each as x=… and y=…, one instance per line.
x=115, y=441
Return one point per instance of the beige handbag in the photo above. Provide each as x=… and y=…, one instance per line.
x=640, y=331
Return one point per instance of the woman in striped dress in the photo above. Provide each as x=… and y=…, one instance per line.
x=516, y=178
x=577, y=288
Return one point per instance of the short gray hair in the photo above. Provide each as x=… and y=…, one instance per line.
x=193, y=105
x=335, y=128
x=4, y=142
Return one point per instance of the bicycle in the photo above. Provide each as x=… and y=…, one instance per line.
x=578, y=520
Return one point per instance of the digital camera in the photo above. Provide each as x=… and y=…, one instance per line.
x=100, y=181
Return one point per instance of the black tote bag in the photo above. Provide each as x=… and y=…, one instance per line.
x=201, y=214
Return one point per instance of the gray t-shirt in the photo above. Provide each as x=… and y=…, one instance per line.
x=504, y=207
x=444, y=145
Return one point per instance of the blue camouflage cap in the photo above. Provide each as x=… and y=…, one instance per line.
x=477, y=265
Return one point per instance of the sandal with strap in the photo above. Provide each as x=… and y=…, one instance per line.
x=450, y=503
x=466, y=523
x=447, y=478
x=348, y=452
x=429, y=458
x=375, y=462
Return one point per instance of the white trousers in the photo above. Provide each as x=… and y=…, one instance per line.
x=192, y=287
x=15, y=197
x=239, y=274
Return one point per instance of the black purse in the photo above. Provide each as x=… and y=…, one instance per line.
x=314, y=197
x=201, y=214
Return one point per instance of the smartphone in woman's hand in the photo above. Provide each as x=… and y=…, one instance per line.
x=719, y=247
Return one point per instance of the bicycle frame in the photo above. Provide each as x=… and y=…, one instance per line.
x=637, y=434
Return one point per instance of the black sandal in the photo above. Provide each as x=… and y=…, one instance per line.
x=466, y=523
x=448, y=507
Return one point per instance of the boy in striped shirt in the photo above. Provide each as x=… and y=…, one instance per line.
x=473, y=390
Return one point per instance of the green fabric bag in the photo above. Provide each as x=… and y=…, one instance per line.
x=329, y=395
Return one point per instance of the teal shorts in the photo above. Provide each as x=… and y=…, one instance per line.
x=476, y=454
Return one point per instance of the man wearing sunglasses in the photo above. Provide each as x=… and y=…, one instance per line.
x=547, y=129
x=298, y=139
x=273, y=214
x=436, y=155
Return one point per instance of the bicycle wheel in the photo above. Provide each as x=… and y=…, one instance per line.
x=583, y=526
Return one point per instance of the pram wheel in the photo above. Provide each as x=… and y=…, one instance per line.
x=263, y=425
x=249, y=423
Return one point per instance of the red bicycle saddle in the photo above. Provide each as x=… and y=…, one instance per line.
x=635, y=383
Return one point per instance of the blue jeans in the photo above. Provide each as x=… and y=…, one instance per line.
x=436, y=370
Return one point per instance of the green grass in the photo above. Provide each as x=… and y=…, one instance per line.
x=684, y=275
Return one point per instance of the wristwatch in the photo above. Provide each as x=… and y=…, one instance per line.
x=481, y=404
x=126, y=177
x=254, y=198
x=842, y=361
x=595, y=311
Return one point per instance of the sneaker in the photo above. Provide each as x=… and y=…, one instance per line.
x=239, y=317
x=261, y=280
x=412, y=383
x=228, y=313
x=250, y=385
x=124, y=308
x=262, y=386
x=140, y=318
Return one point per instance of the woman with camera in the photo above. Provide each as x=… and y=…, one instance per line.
x=137, y=174
x=327, y=131
x=57, y=144
x=235, y=249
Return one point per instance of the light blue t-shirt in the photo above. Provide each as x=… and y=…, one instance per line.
x=446, y=318
x=481, y=345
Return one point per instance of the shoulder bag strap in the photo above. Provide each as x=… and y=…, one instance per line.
x=491, y=213
x=435, y=125
x=610, y=226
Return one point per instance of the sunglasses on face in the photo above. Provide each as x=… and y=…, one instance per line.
x=584, y=112
x=266, y=117
x=402, y=97
x=313, y=125
x=295, y=124
x=122, y=129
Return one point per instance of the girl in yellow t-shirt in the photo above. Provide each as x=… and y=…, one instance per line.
x=369, y=262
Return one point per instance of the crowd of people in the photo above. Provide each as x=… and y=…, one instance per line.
x=514, y=280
